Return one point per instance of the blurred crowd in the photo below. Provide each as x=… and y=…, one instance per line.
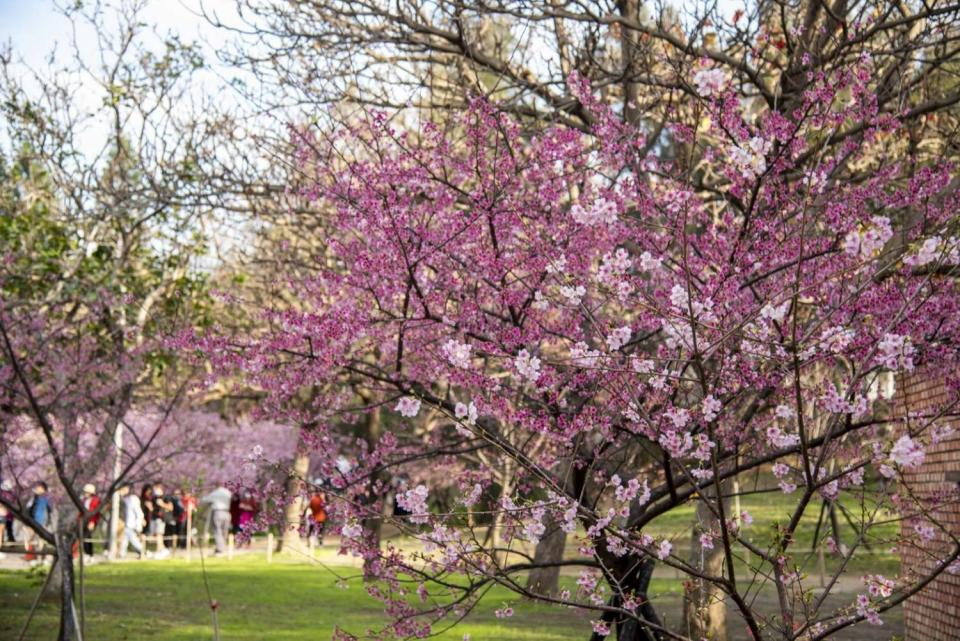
x=154, y=517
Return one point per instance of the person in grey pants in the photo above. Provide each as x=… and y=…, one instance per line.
x=219, y=501
x=132, y=514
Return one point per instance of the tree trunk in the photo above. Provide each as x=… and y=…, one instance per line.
x=290, y=540
x=546, y=580
x=630, y=9
x=62, y=585
x=373, y=524
x=634, y=579
x=495, y=534
x=374, y=528
x=704, y=609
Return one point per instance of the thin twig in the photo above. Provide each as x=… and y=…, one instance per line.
x=210, y=600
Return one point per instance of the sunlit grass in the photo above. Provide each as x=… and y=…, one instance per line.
x=293, y=600
x=289, y=600
x=285, y=601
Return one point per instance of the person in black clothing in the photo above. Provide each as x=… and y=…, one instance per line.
x=6, y=488
x=235, y=513
x=146, y=504
x=167, y=505
x=162, y=518
x=179, y=519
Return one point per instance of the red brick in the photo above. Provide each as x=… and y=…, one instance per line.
x=934, y=613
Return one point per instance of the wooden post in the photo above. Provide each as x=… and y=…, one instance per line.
x=189, y=533
x=821, y=566
x=230, y=545
x=269, y=547
x=115, y=532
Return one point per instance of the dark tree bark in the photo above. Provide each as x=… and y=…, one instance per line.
x=634, y=579
x=62, y=583
x=373, y=524
x=63, y=566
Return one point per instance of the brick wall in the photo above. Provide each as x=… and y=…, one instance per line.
x=934, y=613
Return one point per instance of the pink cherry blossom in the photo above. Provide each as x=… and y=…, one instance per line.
x=711, y=408
x=907, y=452
x=664, y=549
x=618, y=338
x=709, y=81
x=527, y=366
x=457, y=353
x=408, y=406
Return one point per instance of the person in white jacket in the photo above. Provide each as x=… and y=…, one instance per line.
x=132, y=521
x=219, y=501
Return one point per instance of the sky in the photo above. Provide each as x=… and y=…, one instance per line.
x=34, y=26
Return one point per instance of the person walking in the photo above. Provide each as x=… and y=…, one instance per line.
x=38, y=509
x=235, y=514
x=172, y=519
x=132, y=513
x=146, y=502
x=185, y=525
x=318, y=512
x=248, y=511
x=161, y=515
x=91, y=503
x=219, y=501
x=6, y=516
x=179, y=519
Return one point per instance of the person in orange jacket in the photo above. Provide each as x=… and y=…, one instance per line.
x=318, y=512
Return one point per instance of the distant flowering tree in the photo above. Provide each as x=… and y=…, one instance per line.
x=655, y=326
x=72, y=379
x=99, y=203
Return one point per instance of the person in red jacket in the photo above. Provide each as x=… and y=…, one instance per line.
x=91, y=503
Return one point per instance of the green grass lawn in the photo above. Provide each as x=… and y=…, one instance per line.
x=292, y=600
x=285, y=601
x=770, y=509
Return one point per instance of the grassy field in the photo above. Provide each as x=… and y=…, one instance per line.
x=292, y=600
x=286, y=601
x=773, y=508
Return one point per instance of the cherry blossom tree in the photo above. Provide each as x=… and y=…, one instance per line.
x=101, y=194
x=70, y=382
x=426, y=62
x=654, y=334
